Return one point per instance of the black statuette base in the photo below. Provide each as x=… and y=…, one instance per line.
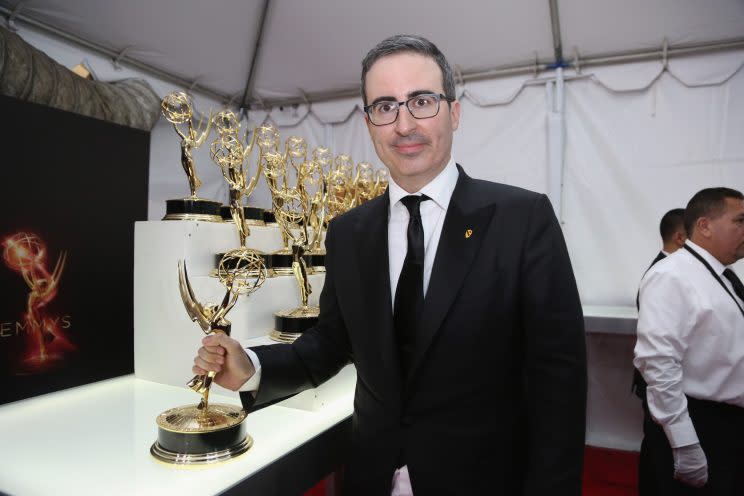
x=290, y=324
x=187, y=435
x=281, y=260
x=317, y=261
x=254, y=216
x=280, y=263
x=285, y=323
x=269, y=217
x=192, y=209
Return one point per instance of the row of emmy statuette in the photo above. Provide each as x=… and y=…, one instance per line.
x=306, y=194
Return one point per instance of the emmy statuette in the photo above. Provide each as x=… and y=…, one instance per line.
x=207, y=432
x=179, y=111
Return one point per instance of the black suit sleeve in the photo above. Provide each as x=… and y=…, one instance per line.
x=315, y=357
x=555, y=359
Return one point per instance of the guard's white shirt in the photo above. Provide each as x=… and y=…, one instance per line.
x=690, y=340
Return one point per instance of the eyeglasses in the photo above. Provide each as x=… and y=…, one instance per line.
x=424, y=106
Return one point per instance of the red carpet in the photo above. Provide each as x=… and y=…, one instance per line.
x=607, y=472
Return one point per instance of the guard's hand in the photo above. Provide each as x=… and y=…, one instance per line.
x=222, y=354
x=690, y=465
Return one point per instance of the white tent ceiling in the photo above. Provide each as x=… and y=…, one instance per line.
x=312, y=49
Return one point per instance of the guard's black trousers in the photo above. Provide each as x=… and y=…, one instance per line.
x=720, y=428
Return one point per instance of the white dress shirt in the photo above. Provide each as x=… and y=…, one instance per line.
x=432, y=218
x=690, y=340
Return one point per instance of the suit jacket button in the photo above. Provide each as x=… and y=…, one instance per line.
x=406, y=421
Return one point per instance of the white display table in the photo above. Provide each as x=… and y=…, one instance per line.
x=610, y=319
x=95, y=439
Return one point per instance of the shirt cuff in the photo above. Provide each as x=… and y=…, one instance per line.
x=252, y=383
x=681, y=433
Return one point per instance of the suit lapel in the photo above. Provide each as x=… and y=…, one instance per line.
x=463, y=231
x=371, y=239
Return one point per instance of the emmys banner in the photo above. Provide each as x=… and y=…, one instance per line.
x=71, y=188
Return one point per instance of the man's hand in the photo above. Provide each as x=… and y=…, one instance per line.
x=690, y=465
x=225, y=356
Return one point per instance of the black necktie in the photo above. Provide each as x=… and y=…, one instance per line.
x=409, y=294
x=735, y=282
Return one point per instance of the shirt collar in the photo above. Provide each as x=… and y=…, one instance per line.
x=717, y=266
x=438, y=189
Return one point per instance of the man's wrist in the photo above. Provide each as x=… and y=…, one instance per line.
x=681, y=433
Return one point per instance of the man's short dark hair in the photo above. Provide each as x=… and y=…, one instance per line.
x=401, y=43
x=671, y=222
x=709, y=203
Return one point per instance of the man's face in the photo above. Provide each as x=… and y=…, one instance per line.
x=415, y=150
x=726, y=232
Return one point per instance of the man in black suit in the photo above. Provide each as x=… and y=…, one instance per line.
x=672, y=231
x=673, y=236
x=455, y=300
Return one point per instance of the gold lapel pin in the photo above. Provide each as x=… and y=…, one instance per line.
x=468, y=233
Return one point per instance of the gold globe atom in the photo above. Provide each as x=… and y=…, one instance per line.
x=289, y=206
x=344, y=162
x=242, y=270
x=226, y=151
x=296, y=147
x=176, y=107
x=226, y=122
x=273, y=165
x=312, y=177
x=322, y=156
x=268, y=138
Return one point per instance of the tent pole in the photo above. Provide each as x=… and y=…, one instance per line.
x=555, y=24
x=556, y=137
x=251, y=81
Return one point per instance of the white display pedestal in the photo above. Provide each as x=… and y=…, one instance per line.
x=614, y=414
x=165, y=339
x=610, y=319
